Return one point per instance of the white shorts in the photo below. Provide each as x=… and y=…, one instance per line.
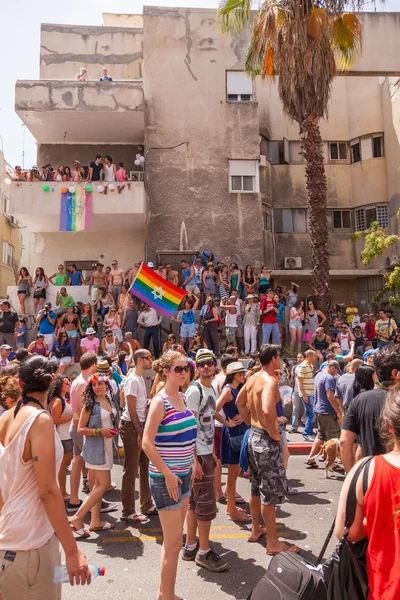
x=192, y=288
x=94, y=293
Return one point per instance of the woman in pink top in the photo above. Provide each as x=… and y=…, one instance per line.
x=121, y=173
x=378, y=511
x=33, y=520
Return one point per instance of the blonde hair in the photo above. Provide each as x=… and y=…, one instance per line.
x=168, y=359
x=9, y=388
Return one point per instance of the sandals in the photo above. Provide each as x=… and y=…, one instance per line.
x=289, y=548
x=311, y=464
x=83, y=532
x=263, y=532
x=106, y=527
x=142, y=519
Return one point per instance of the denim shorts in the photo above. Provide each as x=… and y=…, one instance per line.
x=188, y=331
x=162, y=499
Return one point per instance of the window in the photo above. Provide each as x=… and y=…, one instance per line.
x=366, y=215
x=355, y=148
x=279, y=152
x=377, y=146
x=267, y=220
x=338, y=150
x=340, y=219
x=6, y=204
x=290, y=220
x=7, y=254
x=243, y=176
x=239, y=87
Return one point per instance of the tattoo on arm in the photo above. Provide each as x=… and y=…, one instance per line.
x=35, y=459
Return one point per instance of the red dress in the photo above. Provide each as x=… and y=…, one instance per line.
x=381, y=502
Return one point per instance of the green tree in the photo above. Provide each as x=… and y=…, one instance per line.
x=305, y=44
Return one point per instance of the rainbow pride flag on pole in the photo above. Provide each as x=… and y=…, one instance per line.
x=76, y=210
x=156, y=291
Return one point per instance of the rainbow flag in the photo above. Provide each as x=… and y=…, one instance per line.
x=76, y=210
x=156, y=291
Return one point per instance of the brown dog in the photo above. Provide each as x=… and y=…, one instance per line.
x=330, y=451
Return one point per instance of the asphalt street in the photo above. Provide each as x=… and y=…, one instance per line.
x=131, y=555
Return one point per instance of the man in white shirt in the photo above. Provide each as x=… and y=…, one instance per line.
x=232, y=312
x=131, y=431
x=150, y=320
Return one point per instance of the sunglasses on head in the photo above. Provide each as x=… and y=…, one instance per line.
x=180, y=369
x=206, y=363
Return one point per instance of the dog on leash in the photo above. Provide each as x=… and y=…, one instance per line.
x=329, y=451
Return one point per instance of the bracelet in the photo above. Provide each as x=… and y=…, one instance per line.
x=97, y=431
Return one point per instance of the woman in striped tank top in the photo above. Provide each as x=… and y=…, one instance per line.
x=168, y=440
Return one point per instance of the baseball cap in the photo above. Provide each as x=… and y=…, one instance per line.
x=204, y=353
x=368, y=353
x=151, y=265
x=90, y=331
x=5, y=347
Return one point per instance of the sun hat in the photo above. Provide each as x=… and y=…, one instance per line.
x=104, y=368
x=90, y=331
x=204, y=353
x=235, y=367
x=5, y=347
x=250, y=296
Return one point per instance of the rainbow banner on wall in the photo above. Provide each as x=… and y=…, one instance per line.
x=76, y=210
x=156, y=291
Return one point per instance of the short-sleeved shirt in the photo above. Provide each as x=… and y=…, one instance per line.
x=7, y=321
x=350, y=312
x=75, y=278
x=204, y=407
x=344, y=388
x=306, y=374
x=362, y=418
x=63, y=301
x=96, y=171
x=323, y=384
x=384, y=327
x=135, y=386
x=45, y=327
x=90, y=345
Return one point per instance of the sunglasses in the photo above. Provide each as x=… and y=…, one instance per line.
x=180, y=369
x=113, y=264
x=148, y=357
x=206, y=363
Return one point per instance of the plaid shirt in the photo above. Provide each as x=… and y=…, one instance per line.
x=3, y=363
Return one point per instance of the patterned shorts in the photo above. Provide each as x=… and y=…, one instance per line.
x=267, y=473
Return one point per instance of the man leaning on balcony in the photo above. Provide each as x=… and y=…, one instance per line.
x=105, y=76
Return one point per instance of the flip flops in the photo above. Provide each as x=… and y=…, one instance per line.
x=290, y=548
x=263, y=532
x=311, y=464
x=83, y=532
x=106, y=527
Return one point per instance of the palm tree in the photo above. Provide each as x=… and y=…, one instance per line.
x=305, y=43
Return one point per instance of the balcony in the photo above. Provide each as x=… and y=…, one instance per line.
x=82, y=112
x=40, y=210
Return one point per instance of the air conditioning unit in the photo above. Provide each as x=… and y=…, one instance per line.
x=292, y=262
x=12, y=221
x=392, y=261
x=263, y=160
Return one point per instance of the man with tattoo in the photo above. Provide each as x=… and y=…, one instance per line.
x=131, y=430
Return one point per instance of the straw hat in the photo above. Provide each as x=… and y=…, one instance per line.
x=235, y=367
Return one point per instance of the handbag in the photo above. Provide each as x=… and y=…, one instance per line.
x=345, y=572
x=307, y=336
x=38, y=293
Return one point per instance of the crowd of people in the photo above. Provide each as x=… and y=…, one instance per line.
x=99, y=170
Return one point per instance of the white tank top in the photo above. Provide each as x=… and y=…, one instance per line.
x=24, y=524
x=63, y=428
x=110, y=175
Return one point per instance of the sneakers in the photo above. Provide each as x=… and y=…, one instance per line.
x=211, y=561
x=308, y=438
x=85, y=486
x=189, y=554
x=294, y=430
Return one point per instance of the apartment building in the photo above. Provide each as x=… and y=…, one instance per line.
x=223, y=165
x=10, y=238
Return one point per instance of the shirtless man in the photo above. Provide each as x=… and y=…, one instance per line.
x=256, y=403
x=117, y=279
x=130, y=345
x=132, y=272
x=161, y=271
x=171, y=276
x=98, y=279
x=88, y=364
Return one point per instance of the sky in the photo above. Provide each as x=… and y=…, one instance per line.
x=20, y=52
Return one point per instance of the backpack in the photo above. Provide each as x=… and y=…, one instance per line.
x=197, y=385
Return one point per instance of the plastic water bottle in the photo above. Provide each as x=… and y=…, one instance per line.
x=60, y=574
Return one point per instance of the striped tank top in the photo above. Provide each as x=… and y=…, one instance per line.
x=175, y=440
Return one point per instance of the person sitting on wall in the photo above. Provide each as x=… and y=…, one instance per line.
x=105, y=75
x=82, y=75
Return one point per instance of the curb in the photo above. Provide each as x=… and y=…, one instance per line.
x=299, y=448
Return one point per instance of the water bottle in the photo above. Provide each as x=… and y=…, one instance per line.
x=60, y=574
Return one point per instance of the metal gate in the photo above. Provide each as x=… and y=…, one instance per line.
x=174, y=259
x=367, y=288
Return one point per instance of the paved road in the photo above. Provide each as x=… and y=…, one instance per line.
x=131, y=555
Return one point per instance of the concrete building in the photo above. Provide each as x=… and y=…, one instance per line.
x=10, y=237
x=223, y=169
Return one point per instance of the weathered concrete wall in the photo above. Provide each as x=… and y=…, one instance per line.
x=122, y=20
x=65, y=154
x=66, y=48
x=7, y=234
x=185, y=90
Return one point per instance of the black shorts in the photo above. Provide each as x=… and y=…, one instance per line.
x=67, y=445
x=42, y=294
x=267, y=472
